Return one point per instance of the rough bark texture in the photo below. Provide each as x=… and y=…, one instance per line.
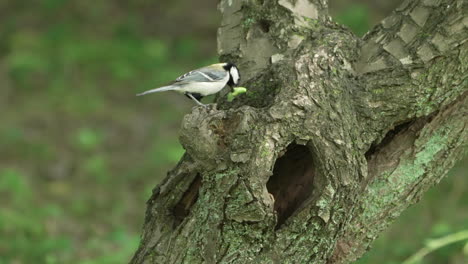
x=335, y=138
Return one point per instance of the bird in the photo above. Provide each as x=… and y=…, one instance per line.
x=202, y=82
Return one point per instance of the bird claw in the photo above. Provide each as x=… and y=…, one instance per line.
x=208, y=107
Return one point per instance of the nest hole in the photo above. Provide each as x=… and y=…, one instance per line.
x=377, y=146
x=292, y=181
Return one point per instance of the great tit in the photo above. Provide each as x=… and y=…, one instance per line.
x=202, y=82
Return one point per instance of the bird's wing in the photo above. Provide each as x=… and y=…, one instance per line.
x=202, y=75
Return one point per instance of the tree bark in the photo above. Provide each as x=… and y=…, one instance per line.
x=335, y=137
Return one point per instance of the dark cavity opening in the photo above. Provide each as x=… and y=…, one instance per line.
x=292, y=181
x=182, y=208
x=377, y=146
x=264, y=25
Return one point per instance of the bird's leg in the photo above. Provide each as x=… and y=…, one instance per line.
x=196, y=101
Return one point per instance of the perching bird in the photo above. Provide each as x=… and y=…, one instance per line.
x=202, y=82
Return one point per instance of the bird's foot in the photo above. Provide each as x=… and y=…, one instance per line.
x=208, y=107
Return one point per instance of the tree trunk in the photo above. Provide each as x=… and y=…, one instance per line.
x=335, y=137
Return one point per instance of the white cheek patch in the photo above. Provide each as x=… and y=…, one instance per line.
x=235, y=75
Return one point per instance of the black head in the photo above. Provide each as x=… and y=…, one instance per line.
x=234, y=74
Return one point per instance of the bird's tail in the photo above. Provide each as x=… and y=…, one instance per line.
x=160, y=89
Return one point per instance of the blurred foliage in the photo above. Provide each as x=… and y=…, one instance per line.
x=80, y=154
x=356, y=17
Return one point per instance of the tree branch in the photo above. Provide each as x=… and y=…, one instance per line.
x=413, y=63
x=411, y=161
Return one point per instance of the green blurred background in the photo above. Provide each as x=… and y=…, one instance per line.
x=80, y=154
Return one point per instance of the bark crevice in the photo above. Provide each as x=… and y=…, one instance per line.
x=182, y=208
